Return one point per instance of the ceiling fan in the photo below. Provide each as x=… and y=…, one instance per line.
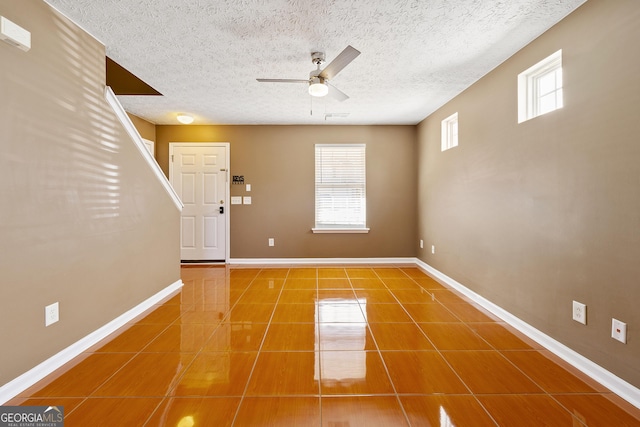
x=318, y=80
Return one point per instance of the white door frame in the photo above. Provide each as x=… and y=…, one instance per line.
x=151, y=146
x=226, y=146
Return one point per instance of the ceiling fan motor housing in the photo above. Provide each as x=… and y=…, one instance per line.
x=317, y=58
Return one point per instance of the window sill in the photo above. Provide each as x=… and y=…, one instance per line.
x=339, y=230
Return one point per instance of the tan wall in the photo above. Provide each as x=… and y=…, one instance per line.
x=278, y=161
x=535, y=215
x=83, y=221
x=146, y=129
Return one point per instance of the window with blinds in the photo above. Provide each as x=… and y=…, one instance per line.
x=341, y=202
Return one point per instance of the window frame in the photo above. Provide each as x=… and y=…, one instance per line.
x=449, y=132
x=529, y=83
x=346, y=227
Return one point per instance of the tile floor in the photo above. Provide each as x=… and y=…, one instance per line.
x=322, y=346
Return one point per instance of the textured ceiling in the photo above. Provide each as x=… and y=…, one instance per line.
x=204, y=55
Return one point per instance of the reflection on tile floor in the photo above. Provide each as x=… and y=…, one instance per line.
x=322, y=346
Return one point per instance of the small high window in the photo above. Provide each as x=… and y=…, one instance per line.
x=540, y=88
x=449, y=132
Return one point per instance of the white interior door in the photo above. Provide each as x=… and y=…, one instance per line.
x=199, y=175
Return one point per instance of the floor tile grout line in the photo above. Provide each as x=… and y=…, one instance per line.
x=349, y=278
x=499, y=351
x=455, y=371
x=134, y=353
x=168, y=395
x=545, y=391
x=493, y=348
x=318, y=332
x=152, y=413
x=439, y=353
x=384, y=363
x=200, y=350
x=138, y=353
x=255, y=362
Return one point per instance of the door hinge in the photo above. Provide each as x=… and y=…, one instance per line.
x=172, y=158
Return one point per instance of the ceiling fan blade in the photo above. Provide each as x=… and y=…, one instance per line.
x=282, y=81
x=341, y=61
x=336, y=93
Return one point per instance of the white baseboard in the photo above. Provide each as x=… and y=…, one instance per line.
x=16, y=386
x=627, y=391
x=323, y=261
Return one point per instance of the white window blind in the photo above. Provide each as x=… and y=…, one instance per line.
x=340, y=187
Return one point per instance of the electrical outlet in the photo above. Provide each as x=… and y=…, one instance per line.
x=272, y=241
x=619, y=330
x=421, y=244
x=580, y=312
x=51, y=314
x=433, y=249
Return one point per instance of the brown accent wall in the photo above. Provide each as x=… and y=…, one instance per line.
x=83, y=220
x=146, y=129
x=278, y=161
x=535, y=215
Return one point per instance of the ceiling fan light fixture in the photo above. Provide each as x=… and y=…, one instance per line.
x=185, y=119
x=317, y=87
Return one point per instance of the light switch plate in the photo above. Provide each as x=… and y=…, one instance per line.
x=236, y=200
x=246, y=200
x=248, y=187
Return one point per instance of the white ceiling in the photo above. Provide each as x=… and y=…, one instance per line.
x=204, y=55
